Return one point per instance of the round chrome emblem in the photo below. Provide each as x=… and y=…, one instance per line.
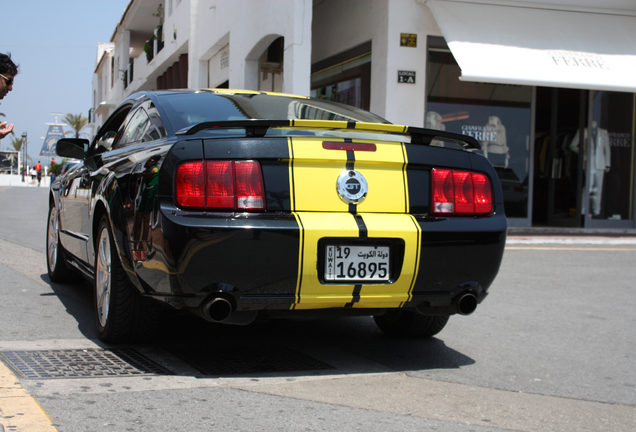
x=352, y=187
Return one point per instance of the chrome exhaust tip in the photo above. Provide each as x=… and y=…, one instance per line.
x=218, y=309
x=466, y=304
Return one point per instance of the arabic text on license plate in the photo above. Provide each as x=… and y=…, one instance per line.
x=357, y=263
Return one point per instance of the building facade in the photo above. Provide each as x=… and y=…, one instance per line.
x=547, y=87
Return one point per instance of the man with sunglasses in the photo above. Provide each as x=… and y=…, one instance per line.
x=8, y=70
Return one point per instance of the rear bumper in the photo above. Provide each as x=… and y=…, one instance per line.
x=270, y=262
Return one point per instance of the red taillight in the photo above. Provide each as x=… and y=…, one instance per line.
x=483, y=193
x=443, y=195
x=461, y=192
x=190, y=185
x=221, y=185
x=249, y=185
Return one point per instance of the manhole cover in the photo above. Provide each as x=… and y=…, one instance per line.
x=87, y=363
x=234, y=360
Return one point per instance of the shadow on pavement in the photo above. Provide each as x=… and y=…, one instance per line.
x=77, y=298
x=342, y=337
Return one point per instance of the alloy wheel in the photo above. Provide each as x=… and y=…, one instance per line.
x=53, y=238
x=103, y=280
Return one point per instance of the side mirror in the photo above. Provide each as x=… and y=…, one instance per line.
x=74, y=148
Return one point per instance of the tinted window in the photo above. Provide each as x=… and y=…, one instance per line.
x=135, y=127
x=142, y=127
x=188, y=109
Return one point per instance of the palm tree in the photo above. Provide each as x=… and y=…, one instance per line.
x=77, y=122
x=17, y=143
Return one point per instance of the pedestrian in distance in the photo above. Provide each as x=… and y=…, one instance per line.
x=38, y=171
x=8, y=71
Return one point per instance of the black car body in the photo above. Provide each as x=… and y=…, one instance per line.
x=240, y=205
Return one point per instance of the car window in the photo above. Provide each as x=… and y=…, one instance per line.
x=155, y=129
x=135, y=128
x=188, y=109
x=106, y=138
x=143, y=126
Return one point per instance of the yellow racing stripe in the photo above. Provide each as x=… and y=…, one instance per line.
x=321, y=213
x=311, y=294
x=393, y=226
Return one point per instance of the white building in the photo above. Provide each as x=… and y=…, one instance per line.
x=527, y=78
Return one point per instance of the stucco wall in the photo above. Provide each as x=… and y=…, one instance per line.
x=249, y=29
x=339, y=25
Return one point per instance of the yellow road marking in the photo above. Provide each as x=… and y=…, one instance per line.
x=568, y=248
x=19, y=411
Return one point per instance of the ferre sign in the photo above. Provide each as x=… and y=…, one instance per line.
x=577, y=59
x=406, y=77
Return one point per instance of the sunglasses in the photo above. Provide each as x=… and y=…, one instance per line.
x=9, y=81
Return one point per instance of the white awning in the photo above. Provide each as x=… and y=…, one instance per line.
x=542, y=47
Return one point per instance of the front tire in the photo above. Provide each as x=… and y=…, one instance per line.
x=407, y=324
x=55, y=262
x=121, y=315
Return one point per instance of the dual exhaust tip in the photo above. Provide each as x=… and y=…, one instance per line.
x=221, y=310
x=218, y=309
x=466, y=304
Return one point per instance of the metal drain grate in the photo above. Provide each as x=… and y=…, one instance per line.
x=88, y=363
x=234, y=360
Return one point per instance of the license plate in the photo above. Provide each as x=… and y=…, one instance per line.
x=357, y=263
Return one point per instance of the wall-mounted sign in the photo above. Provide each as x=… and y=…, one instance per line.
x=408, y=40
x=407, y=77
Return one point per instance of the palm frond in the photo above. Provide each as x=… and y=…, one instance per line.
x=76, y=121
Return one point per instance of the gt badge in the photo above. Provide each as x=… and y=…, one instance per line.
x=352, y=187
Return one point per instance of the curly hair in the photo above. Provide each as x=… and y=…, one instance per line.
x=7, y=65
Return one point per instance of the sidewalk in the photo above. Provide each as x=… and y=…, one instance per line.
x=553, y=235
x=16, y=180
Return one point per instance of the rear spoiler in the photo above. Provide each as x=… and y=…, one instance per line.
x=258, y=128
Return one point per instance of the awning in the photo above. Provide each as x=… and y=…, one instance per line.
x=542, y=47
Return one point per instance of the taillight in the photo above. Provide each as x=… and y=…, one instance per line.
x=483, y=193
x=249, y=185
x=190, y=185
x=461, y=192
x=220, y=185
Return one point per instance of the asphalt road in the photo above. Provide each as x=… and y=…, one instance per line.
x=553, y=348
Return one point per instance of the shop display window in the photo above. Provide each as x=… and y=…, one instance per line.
x=497, y=115
x=344, y=78
x=611, y=156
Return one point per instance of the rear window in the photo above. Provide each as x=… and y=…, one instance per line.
x=188, y=109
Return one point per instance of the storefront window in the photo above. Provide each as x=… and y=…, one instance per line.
x=497, y=115
x=345, y=78
x=611, y=156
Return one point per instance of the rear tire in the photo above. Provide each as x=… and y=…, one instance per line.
x=55, y=262
x=121, y=315
x=407, y=324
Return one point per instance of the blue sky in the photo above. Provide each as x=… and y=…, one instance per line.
x=54, y=43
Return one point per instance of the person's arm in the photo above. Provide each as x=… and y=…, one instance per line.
x=5, y=129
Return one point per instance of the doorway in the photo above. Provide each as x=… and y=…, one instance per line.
x=561, y=121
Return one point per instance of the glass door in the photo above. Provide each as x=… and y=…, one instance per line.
x=561, y=117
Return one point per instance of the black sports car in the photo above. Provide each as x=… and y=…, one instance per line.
x=241, y=205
